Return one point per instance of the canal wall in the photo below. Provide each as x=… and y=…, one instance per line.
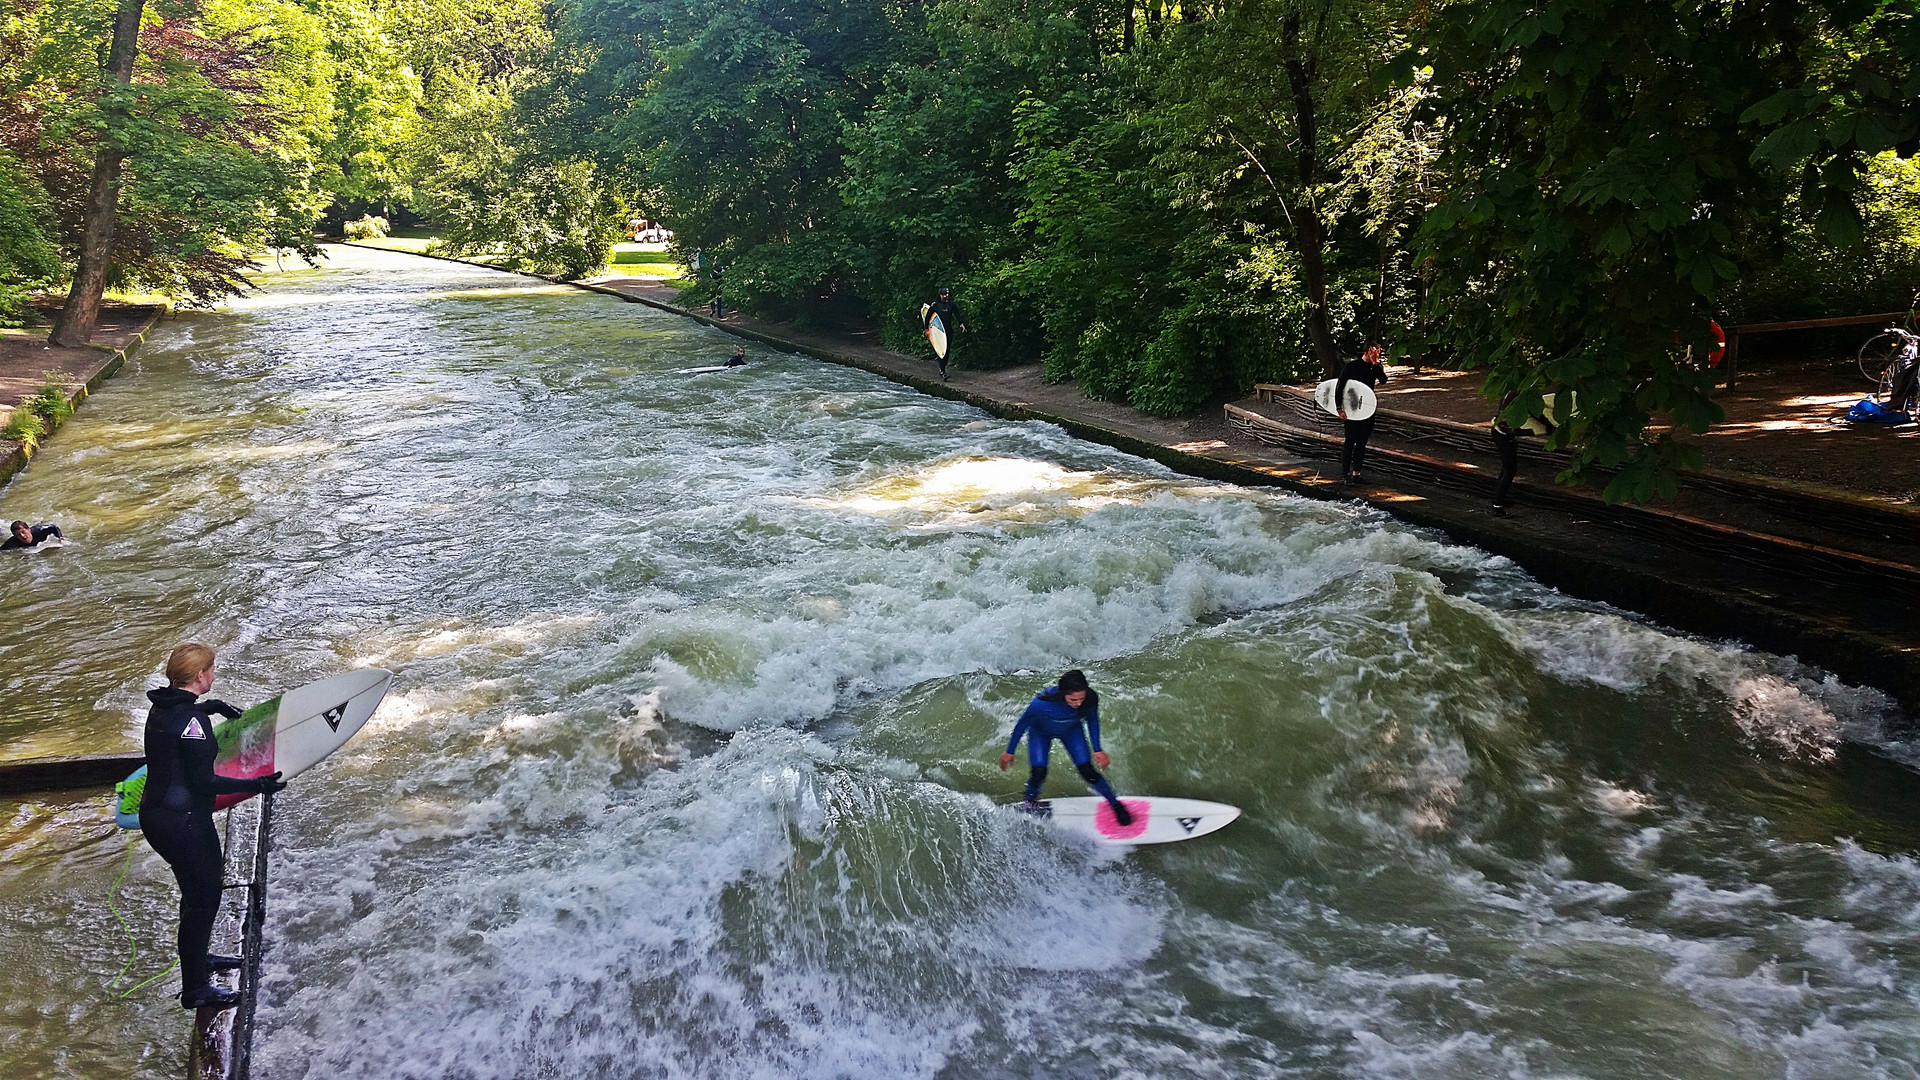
x=80, y=370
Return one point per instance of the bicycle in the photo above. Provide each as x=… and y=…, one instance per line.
x=1903, y=354
x=1877, y=353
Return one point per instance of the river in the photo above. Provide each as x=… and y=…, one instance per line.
x=690, y=768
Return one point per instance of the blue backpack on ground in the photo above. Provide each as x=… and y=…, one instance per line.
x=1867, y=412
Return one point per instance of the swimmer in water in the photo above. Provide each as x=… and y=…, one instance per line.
x=1070, y=712
x=25, y=536
x=739, y=357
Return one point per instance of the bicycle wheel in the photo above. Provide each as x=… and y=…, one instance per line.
x=1877, y=353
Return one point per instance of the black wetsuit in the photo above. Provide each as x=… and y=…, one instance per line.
x=176, y=814
x=1506, y=440
x=40, y=533
x=736, y=360
x=950, y=318
x=1353, y=452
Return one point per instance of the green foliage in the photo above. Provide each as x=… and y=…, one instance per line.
x=24, y=426
x=367, y=228
x=217, y=131
x=1809, y=276
x=492, y=189
x=49, y=401
x=29, y=260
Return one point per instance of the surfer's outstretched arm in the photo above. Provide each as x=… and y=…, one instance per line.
x=1019, y=732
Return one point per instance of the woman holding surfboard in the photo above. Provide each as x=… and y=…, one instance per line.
x=176, y=812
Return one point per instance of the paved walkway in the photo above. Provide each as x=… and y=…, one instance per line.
x=27, y=362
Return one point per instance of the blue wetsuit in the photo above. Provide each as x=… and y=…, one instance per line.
x=1049, y=717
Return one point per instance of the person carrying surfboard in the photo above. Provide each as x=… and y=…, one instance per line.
x=176, y=812
x=1353, y=451
x=949, y=315
x=1068, y=711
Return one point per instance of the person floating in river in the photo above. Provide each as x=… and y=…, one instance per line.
x=949, y=317
x=1353, y=451
x=739, y=357
x=21, y=535
x=176, y=812
x=1070, y=712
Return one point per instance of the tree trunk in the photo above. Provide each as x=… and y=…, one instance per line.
x=76, y=321
x=1308, y=238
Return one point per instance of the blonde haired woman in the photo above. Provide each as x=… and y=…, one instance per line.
x=176, y=812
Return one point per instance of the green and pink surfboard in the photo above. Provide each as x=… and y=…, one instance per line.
x=289, y=735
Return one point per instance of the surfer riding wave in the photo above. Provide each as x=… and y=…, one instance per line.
x=1069, y=712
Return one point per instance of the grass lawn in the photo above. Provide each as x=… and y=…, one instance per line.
x=647, y=260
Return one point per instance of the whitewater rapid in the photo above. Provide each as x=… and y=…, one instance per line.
x=691, y=765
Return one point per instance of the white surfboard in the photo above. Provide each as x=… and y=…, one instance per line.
x=699, y=370
x=1361, y=401
x=288, y=734
x=51, y=543
x=1155, y=820
x=937, y=335
x=319, y=718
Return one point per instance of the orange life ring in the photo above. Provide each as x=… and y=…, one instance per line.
x=1719, y=352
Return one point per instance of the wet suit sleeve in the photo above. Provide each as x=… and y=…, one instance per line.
x=1340, y=388
x=40, y=534
x=197, y=773
x=1093, y=727
x=1020, y=728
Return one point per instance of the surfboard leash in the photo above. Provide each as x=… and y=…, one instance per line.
x=133, y=943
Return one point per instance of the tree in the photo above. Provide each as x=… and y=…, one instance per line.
x=1261, y=95
x=1605, y=165
x=76, y=321
x=492, y=187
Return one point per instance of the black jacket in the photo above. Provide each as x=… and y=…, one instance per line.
x=1359, y=371
x=949, y=314
x=180, y=753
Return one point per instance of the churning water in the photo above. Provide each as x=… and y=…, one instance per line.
x=690, y=768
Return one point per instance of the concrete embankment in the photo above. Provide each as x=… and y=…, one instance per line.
x=27, y=362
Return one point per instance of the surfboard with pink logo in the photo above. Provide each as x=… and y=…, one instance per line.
x=288, y=734
x=1155, y=820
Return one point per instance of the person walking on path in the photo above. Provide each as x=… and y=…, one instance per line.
x=1070, y=712
x=1353, y=451
x=949, y=317
x=176, y=812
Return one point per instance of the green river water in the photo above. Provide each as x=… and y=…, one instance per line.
x=690, y=767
